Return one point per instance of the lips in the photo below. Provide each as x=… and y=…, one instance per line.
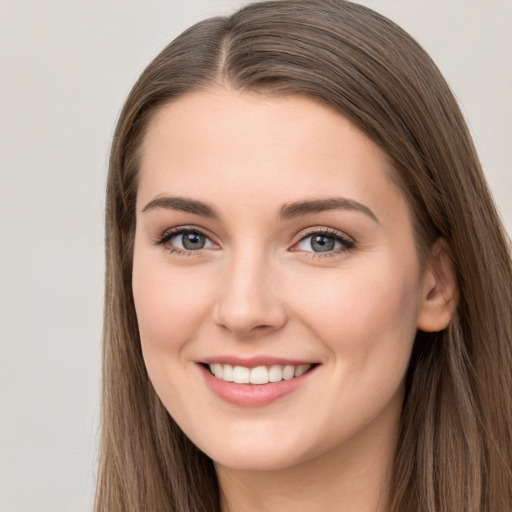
x=254, y=382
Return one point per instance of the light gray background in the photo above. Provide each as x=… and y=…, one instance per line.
x=65, y=68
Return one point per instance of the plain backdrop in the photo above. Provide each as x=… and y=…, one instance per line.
x=65, y=69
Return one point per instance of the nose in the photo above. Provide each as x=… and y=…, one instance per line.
x=250, y=303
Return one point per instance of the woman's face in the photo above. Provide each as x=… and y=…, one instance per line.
x=271, y=241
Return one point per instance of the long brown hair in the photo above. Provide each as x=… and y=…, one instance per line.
x=455, y=444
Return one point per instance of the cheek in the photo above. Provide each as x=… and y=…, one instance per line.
x=366, y=318
x=171, y=305
x=365, y=311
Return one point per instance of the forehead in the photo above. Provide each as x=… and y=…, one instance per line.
x=221, y=143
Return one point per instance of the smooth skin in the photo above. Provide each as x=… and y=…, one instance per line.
x=226, y=264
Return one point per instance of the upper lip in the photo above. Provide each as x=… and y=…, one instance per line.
x=252, y=362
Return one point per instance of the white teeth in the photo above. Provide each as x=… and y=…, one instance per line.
x=259, y=374
x=275, y=373
x=288, y=372
x=217, y=370
x=227, y=374
x=301, y=369
x=241, y=375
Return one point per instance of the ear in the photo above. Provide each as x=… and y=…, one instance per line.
x=439, y=293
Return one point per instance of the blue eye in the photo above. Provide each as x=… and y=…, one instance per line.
x=324, y=242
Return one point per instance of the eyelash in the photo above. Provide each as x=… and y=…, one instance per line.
x=347, y=244
x=168, y=235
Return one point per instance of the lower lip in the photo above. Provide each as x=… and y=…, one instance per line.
x=253, y=395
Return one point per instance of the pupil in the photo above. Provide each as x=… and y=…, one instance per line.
x=193, y=241
x=320, y=243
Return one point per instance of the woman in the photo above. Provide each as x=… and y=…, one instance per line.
x=308, y=297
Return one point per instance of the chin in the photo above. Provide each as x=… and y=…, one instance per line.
x=261, y=451
x=255, y=459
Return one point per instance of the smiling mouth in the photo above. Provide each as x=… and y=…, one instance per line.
x=259, y=374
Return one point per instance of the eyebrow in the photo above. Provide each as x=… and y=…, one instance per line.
x=298, y=209
x=287, y=211
x=182, y=204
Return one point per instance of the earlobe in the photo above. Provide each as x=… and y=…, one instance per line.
x=440, y=292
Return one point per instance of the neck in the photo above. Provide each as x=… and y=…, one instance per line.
x=354, y=477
